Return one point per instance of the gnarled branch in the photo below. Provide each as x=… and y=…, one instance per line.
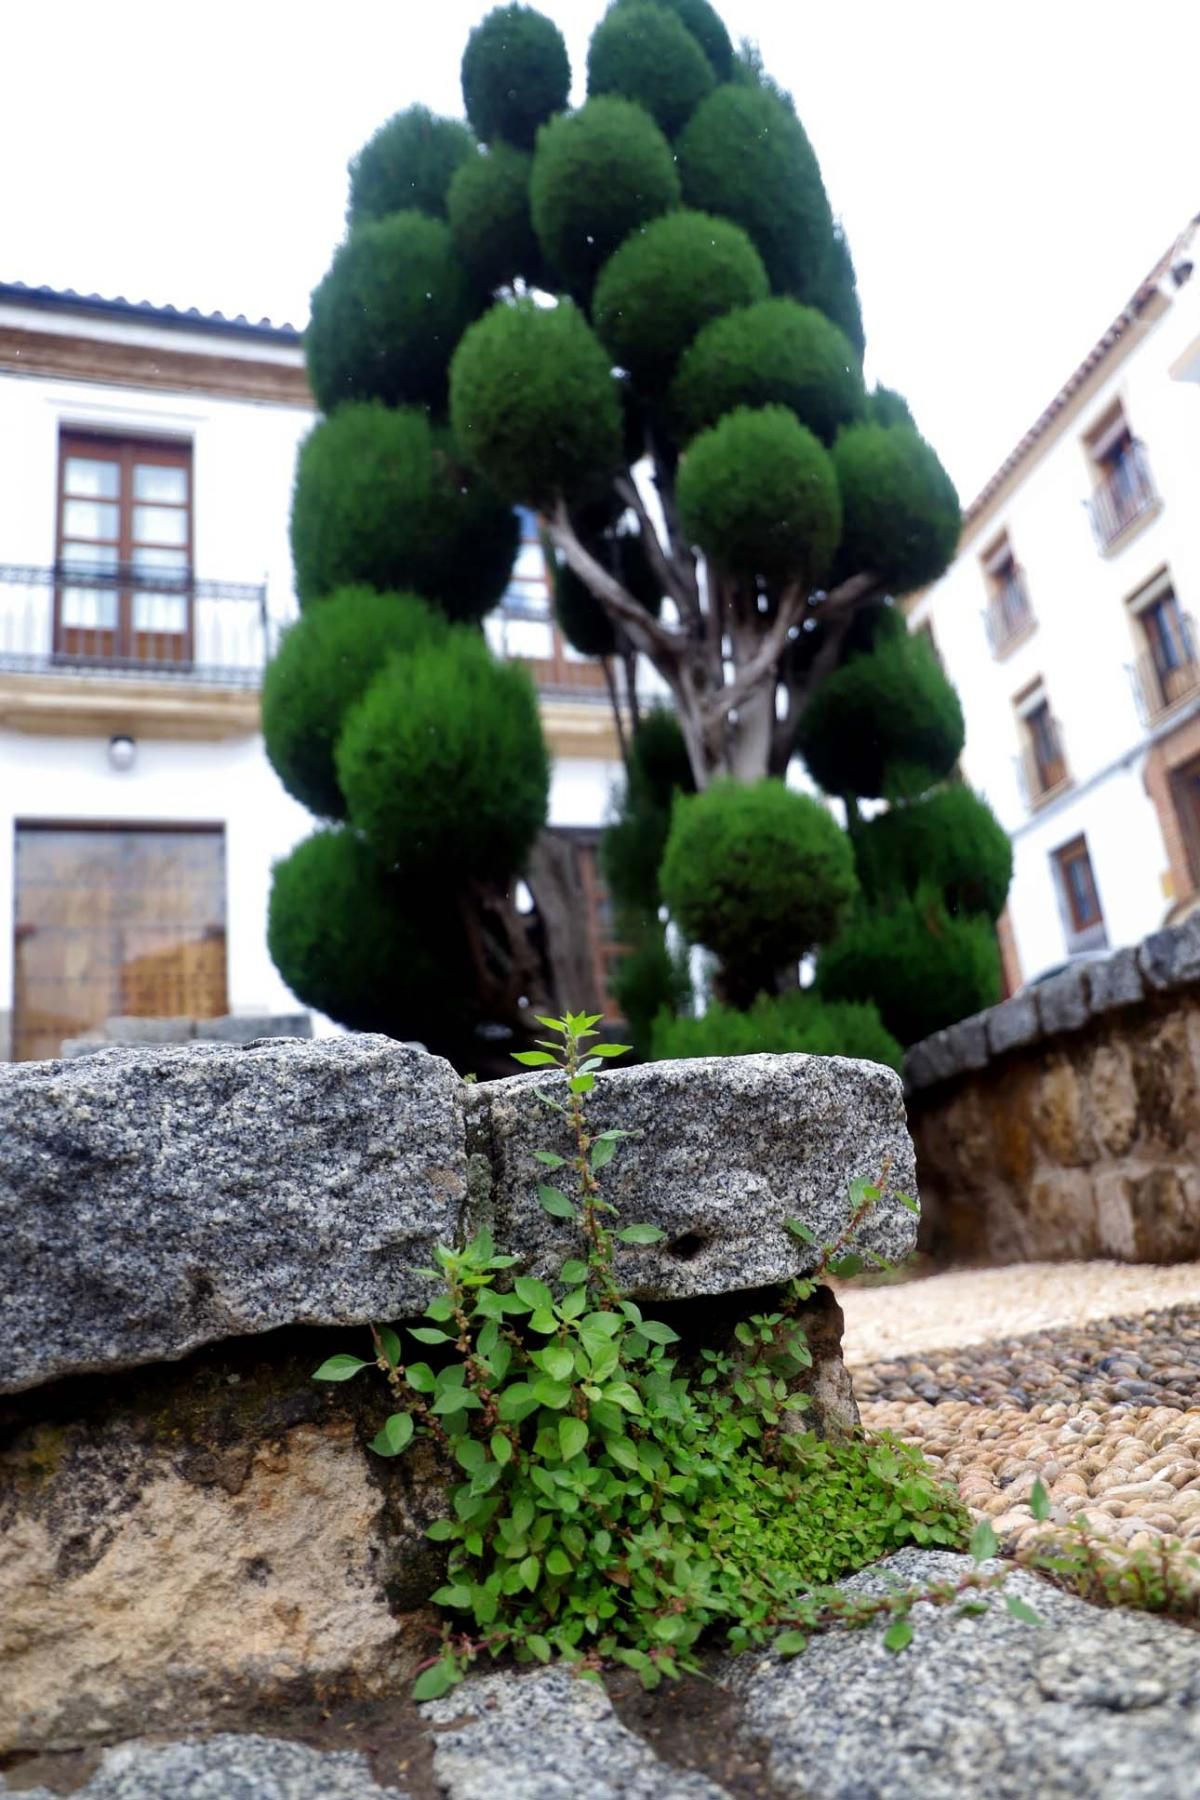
x=655, y=640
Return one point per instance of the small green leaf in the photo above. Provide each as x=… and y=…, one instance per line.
x=470, y=1455
x=530, y=1569
x=451, y=1595
x=339, y=1368
x=420, y=1377
x=622, y=1451
x=609, y=1049
x=799, y=1230
x=898, y=1635
x=603, y=1151
x=436, y=1681
x=572, y=1437
x=428, y=1334
x=558, y=1562
x=556, y=1360
x=622, y=1395
x=555, y=1202
x=790, y=1643
x=582, y=1084
x=539, y=1647
x=543, y=1322
x=395, y=1436
x=1039, y=1502
x=845, y=1266
x=573, y=1271
x=441, y=1530
x=914, y=1206
x=983, y=1541
x=501, y=1448
x=534, y=1293
x=1021, y=1610
x=455, y=1400
x=657, y=1332
x=549, y=1159
x=389, y=1343
x=557, y=1025
x=535, y=1059
x=554, y=1394
x=641, y=1234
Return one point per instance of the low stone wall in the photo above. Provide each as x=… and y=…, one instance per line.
x=231, y=1028
x=1065, y=1123
x=193, y=1532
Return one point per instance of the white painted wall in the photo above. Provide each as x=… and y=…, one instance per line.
x=1084, y=643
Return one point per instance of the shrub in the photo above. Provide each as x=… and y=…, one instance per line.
x=759, y=875
x=407, y=164
x=644, y=52
x=884, y=724
x=706, y=26
x=490, y=221
x=758, y=493
x=900, y=512
x=381, y=497
x=779, y=1024
x=950, y=839
x=886, y=407
x=363, y=946
x=443, y=764
x=923, y=967
x=665, y=282
x=835, y=292
x=515, y=75
x=597, y=175
x=774, y=353
x=386, y=317
x=323, y=665
x=744, y=155
x=533, y=401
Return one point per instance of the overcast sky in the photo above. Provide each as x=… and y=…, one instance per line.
x=1006, y=172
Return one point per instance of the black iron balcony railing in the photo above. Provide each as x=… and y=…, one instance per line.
x=136, y=623
x=1042, y=764
x=1009, y=613
x=1164, y=676
x=1125, y=493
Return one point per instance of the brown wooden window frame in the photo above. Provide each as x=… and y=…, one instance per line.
x=1075, y=855
x=124, y=642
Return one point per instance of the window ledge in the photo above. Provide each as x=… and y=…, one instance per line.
x=1134, y=528
x=1038, y=802
x=1003, y=651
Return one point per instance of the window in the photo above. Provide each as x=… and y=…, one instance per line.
x=1123, y=491
x=1167, y=670
x=1043, y=764
x=1185, y=793
x=1009, y=614
x=1083, y=918
x=124, y=550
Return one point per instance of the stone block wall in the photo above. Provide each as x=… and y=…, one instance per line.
x=232, y=1028
x=1065, y=1123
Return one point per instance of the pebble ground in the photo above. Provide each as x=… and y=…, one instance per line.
x=1099, y=1396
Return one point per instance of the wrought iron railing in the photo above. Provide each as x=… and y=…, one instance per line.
x=1008, y=613
x=1124, y=494
x=135, y=623
x=1165, y=676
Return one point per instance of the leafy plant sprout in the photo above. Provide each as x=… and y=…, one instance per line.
x=620, y=1498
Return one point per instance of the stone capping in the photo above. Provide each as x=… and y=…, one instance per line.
x=1166, y=962
x=232, y=1028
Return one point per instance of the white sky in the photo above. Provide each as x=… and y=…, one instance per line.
x=1006, y=172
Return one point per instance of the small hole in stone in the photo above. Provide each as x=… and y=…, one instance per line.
x=202, y=1288
x=687, y=1247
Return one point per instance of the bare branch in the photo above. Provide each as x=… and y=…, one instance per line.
x=673, y=579
x=774, y=641
x=655, y=640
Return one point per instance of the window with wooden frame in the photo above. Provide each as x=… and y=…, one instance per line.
x=1043, y=762
x=1167, y=669
x=1009, y=615
x=1083, y=916
x=124, y=550
x=1123, y=491
x=1185, y=796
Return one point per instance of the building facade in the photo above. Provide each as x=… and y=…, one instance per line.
x=1066, y=622
x=146, y=461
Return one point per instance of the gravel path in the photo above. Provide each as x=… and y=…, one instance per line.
x=1096, y=1391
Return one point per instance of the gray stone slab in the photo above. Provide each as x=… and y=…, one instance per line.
x=969, y=1042
x=155, y=1200
x=1115, y=981
x=930, y=1061
x=1013, y=1023
x=1171, y=959
x=1097, y=1704
x=244, y=1028
x=229, y=1766
x=547, y=1736
x=128, y=1029
x=724, y=1150
x=1062, y=1001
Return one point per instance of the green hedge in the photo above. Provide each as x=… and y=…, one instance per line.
x=773, y=353
x=598, y=174
x=779, y=1025
x=923, y=967
x=758, y=493
x=407, y=164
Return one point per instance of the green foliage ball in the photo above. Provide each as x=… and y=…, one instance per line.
x=759, y=875
x=835, y=293
x=744, y=155
x=886, y=407
x=924, y=967
x=777, y=1025
x=598, y=174
x=382, y=497
x=490, y=222
x=774, y=353
x=363, y=946
x=324, y=664
x=666, y=282
x=386, y=317
x=443, y=764
x=758, y=494
x=515, y=75
x=533, y=401
x=706, y=26
x=900, y=511
x=644, y=52
x=407, y=165
x=950, y=840
x=885, y=724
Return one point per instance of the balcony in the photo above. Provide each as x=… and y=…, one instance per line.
x=1126, y=494
x=1165, y=677
x=1009, y=615
x=134, y=625
x=1042, y=765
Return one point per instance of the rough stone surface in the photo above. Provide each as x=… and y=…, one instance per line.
x=226, y=1767
x=244, y=1028
x=547, y=1736
x=154, y=1200
x=1013, y=1023
x=1171, y=959
x=1115, y=981
x=1062, y=1002
x=723, y=1151
x=1102, y=1704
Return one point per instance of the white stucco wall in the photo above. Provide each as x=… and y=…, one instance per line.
x=1084, y=643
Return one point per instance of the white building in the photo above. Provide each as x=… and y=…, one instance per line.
x=1065, y=622
x=146, y=461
